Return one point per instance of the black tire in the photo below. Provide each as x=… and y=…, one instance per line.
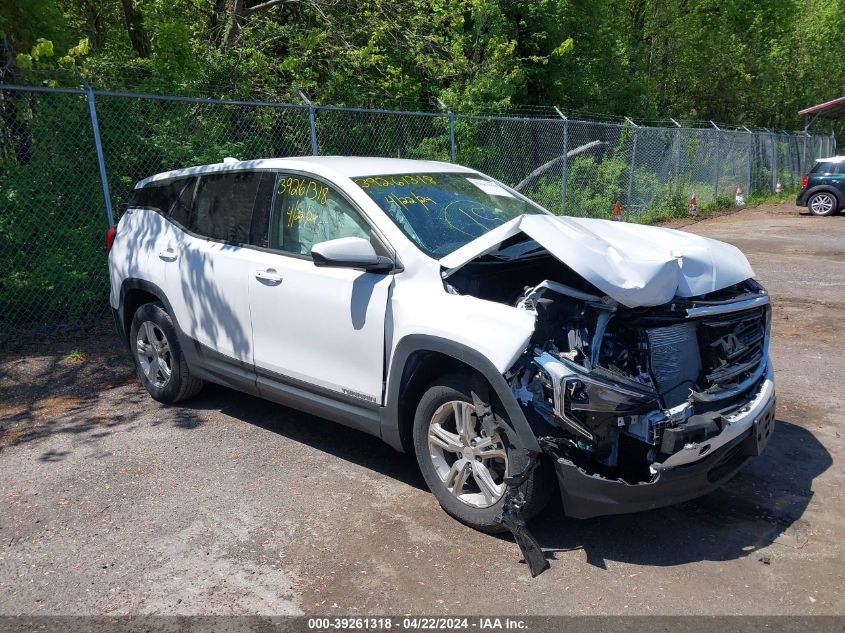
x=180, y=384
x=459, y=387
x=823, y=204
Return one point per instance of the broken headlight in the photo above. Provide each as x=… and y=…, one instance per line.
x=588, y=402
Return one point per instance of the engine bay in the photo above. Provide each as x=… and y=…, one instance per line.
x=619, y=389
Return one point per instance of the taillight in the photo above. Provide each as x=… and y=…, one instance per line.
x=110, y=237
x=804, y=181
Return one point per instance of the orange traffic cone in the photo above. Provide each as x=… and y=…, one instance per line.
x=740, y=199
x=693, y=205
x=778, y=187
x=617, y=210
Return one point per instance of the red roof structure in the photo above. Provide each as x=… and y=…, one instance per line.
x=833, y=109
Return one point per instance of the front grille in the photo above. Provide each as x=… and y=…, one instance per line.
x=732, y=346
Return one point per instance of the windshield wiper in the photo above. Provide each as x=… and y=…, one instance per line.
x=521, y=250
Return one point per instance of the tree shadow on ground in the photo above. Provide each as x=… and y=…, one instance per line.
x=765, y=502
x=83, y=388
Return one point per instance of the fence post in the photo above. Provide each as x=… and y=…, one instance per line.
x=718, y=161
x=451, y=115
x=565, y=160
x=452, y=148
x=774, y=162
x=633, y=162
x=312, y=121
x=312, y=124
x=750, y=159
x=804, y=169
x=677, y=153
x=98, y=146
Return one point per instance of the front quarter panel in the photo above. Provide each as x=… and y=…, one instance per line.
x=498, y=332
x=486, y=336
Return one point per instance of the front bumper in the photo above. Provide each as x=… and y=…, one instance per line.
x=695, y=470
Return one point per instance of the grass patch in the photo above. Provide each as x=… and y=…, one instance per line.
x=75, y=356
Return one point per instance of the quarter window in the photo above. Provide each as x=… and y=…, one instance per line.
x=223, y=206
x=160, y=195
x=307, y=212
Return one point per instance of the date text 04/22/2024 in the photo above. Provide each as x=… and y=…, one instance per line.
x=410, y=623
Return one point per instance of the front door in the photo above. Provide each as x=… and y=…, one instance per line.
x=316, y=326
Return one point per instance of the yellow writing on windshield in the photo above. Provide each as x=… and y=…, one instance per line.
x=462, y=210
x=395, y=181
x=411, y=199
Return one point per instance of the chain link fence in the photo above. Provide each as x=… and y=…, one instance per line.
x=54, y=205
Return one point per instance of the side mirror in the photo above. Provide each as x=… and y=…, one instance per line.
x=349, y=252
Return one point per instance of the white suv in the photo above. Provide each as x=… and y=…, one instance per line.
x=440, y=310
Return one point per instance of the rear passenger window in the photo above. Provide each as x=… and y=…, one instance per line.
x=822, y=168
x=223, y=206
x=306, y=212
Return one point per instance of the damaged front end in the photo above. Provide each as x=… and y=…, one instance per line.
x=648, y=406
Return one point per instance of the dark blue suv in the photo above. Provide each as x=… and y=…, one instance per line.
x=823, y=189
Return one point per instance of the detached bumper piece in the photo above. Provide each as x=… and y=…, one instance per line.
x=586, y=496
x=511, y=519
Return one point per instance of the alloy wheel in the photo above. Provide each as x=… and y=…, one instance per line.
x=471, y=464
x=154, y=355
x=822, y=204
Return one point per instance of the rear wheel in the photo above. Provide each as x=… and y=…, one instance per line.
x=159, y=360
x=463, y=463
x=823, y=203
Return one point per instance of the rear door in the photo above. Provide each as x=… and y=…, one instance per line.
x=317, y=327
x=145, y=221
x=160, y=236
x=210, y=294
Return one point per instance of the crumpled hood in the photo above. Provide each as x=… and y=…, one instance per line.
x=635, y=265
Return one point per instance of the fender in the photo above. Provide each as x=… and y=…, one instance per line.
x=840, y=196
x=390, y=431
x=187, y=344
x=134, y=283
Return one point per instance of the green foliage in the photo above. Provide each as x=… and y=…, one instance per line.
x=753, y=62
x=743, y=61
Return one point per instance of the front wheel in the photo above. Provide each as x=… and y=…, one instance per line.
x=463, y=463
x=823, y=204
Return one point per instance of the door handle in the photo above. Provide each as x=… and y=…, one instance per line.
x=269, y=277
x=168, y=255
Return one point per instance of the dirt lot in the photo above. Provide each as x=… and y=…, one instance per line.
x=111, y=503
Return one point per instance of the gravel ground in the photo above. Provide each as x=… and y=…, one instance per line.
x=112, y=503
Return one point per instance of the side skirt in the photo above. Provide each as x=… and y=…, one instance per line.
x=296, y=394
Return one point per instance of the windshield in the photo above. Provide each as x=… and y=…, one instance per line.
x=440, y=212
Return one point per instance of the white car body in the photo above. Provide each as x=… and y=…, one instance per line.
x=336, y=341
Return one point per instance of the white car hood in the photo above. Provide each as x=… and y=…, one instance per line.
x=635, y=265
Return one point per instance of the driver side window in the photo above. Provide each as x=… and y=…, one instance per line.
x=307, y=211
